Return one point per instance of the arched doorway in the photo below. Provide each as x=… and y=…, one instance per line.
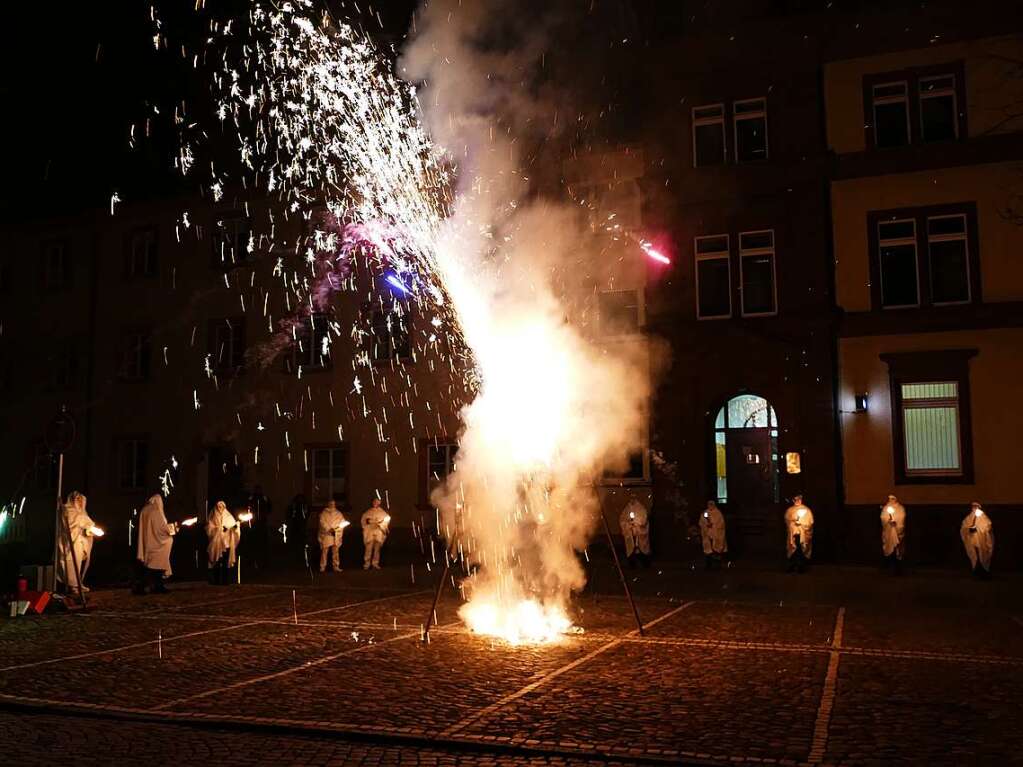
x=746, y=466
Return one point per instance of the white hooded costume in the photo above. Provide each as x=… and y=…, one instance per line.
x=80, y=525
x=224, y=533
x=635, y=526
x=893, y=528
x=712, y=531
x=374, y=532
x=331, y=530
x=799, y=521
x=156, y=536
x=978, y=537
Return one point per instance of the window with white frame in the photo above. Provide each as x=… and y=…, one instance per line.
x=441, y=460
x=56, y=265
x=140, y=259
x=939, y=113
x=312, y=344
x=232, y=241
x=621, y=312
x=750, y=128
x=897, y=259
x=713, y=277
x=931, y=428
x=757, y=270
x=132, y=461
x=227, y=344
x=328, y=469
x=891, y=114
x=709, y=135
x=948, y=256
x=135, y=356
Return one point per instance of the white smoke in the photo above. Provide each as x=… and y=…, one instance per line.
x=554, y=406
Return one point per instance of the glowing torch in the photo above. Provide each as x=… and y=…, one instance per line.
x=97, y=531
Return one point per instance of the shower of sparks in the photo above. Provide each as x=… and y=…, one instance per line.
x=326, y=130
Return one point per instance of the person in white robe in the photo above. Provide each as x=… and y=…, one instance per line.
x=977, y=532
x=74, y=559
x=155, y=540
x=799, y=534
x=331, y=530
x=224, y=533
x=712, y=535
x=893, y=532
x=635, y=524
x=375, y=526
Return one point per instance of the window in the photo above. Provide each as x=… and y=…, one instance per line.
x=227, y=344
x=132, y=460
x=56, y=265
x=931, y=430
x=914, y=106
x=923, y=257
x=891, y=114
x=440, y=462
x=140, y=256
x=389, y=334
x=312, y=344
x=756, y=266
x=232, y=242
x=709, y=135
x=939, y=120
x=930, y=425
x=635, y=470
x=66, y=366
x=948, y=251
x=621, y=312
x=750, y=118
x=328, y=468
x=897, y=253
x=713, y=277
x=135, y=356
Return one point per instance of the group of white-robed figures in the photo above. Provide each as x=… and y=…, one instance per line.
x=976, y=532
x=332, y=523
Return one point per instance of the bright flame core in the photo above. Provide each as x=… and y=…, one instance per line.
x=524, y=622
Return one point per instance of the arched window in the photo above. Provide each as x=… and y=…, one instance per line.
x=746, y=450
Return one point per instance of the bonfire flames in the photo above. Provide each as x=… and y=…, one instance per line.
x=431, y=187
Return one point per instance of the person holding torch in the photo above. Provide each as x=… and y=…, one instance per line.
x=155, y=540
x=635, y=526
x=375, y=526
x=799, y=534
x=893, y=533
x=331, y=530
x=979, y=540
x=75, y=555
x=224, y=532
x=712, y=535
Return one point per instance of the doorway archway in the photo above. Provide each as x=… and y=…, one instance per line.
x=746, y=460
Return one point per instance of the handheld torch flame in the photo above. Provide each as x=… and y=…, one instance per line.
x=97, y=531
x=245, y=517
x=190, y=521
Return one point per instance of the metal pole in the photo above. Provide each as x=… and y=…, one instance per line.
x=621, y=573
x=436, y=597
x=66, y=530
x=57, y=527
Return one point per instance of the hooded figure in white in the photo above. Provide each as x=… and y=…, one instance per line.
x=978, y=539
x=331, y=529
x=799, y=522
x=712, y=532
x=893, y=528
x=224, y=533
x=635, y=525
x=375, y=521
x=156, y=536
x=81, y=527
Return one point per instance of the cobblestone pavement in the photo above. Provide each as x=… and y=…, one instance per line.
x=731, y=668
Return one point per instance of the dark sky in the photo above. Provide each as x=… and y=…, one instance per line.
x=77, y=75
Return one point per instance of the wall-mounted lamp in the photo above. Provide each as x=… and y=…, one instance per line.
x=860, y=401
